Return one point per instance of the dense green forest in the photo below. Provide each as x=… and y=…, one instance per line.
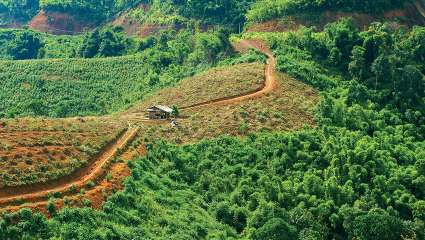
x=360, y=174
x=229, y=12
x=20, y=44
x=24, y=10
x=94, y=10
x=269, y=9
x=18, y=10
x=71, y=87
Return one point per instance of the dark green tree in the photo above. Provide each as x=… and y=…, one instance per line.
x=26, y=45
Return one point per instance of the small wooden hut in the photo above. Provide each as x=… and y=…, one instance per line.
x=159, y=112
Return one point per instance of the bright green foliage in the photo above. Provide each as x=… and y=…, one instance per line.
x=215, y=12
x=21, y=10
x=230, y=13
x=91, y=10
x=107, y=42
x=29, y=44
x=385, y=64
x=24, y=44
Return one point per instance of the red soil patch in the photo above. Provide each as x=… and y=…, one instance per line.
x=134, y=28
x=59, y=23
x=98, y=194
x=92, y=172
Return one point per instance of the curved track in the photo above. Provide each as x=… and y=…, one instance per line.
x=269, y=83
x=34, y=193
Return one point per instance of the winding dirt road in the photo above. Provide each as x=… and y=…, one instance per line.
x=268, y=85
x=37, y=193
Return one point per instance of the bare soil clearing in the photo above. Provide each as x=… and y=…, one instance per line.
x=59, y=23
x=41, y=150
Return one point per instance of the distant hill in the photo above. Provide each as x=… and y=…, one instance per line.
x=68, y=17
x=286, y=15
x=143, y=17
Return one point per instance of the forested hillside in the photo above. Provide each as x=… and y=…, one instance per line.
x=208, y=11
x=23, y=10
x=356, y=170
x=358, y=175
x=269, y=9
x=17, y=10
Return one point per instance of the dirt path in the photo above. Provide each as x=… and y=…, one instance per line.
x=269, y=83
x=36, y=193
x=94, y=169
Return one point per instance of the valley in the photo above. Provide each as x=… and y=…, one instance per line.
x=205, y=119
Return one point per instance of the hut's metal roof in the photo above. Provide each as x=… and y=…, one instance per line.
x=160, y=107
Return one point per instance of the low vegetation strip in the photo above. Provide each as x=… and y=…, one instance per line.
x=86, y=86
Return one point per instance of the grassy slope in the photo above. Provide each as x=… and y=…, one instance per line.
x=290, y=106
x=216, y=83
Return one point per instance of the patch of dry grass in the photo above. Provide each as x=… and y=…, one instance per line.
x=289, y=107
x=216, y=83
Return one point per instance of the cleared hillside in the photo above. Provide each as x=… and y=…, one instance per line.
x=99, y=86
